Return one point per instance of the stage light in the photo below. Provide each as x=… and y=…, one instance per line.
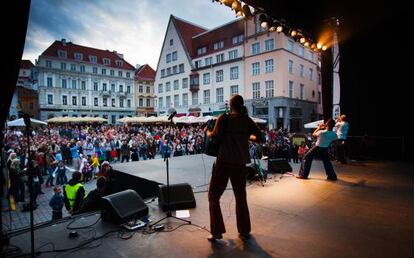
x=263, y=21
x=236, y=5
x=313, y=46
x=306, y=44
x=227, y=2
x=319, y=46
x=246, y=11
x=279, y=29
x=324, y=48
x=293, y=33
x=302, y=40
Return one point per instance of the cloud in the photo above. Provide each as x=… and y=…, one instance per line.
x=133, y=28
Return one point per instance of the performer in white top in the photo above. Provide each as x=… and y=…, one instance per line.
x=341, y=127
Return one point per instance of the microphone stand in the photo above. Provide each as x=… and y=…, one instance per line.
x=166, y=158
x=27, y=122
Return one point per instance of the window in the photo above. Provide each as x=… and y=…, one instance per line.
x=301, y=51
x=106, y=61
x=48, y=64
x=103, y=71
x=113, y=102
x=219, y=95
x=160, y=88
x=162, y=73
x=148, y=89
x=73, y=67
x=168, y=71
x=319, y=78
x=201, y=50
x=219, y=58
x=218, y=45
x=302, y=91
x=311, y=56
x=92, y=59
x=128, y=74
x=141, y=102
x=119, y=73
x=256, y=68
x=233, y=54
x=167, y=86
x=113, y=87
x=63, y=66
x=269, y=44
x=64, y=84
x=168, y=101
x=175, y=69
x=208, y=61
x=185, y=99
x=148, y=102
x=50, y=99
x=234, y=73
x=121, y=103
x=194, y=98
x=291, y=89
x=291, y=45
x=105, y=102
x=291, y=66
x=174, y=56
x=84, y=101
x=74, y=100
x=104, y=87
x=302, y=71
x=181, y=68
x=270, y=92
x=206, y=78
x=237, y=39
x=160, y=102
x=219, y=76
x=112, y=72
x=185, y=83
x=319, y=97
x=171, y=42
x=206, y=96
x=256, y=90
x=168, y=58
x=95, y=86
x=176, y=100
x=74, y=84
x=140, y=87
x=255, y=48
x=269, y=66
x=129, y=103
x=83, y=85
x=95, y=70
x=176, y=85
x=119, y=63
x=49, y=82
x=128, y=89
x=82, y=68
x=311, y=74
x=121, y=88
x=62, y=53
x=78, y=56
x=198, y=63
x=234, y=90
x=64, y=100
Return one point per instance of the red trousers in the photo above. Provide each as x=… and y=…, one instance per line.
x=219, y=179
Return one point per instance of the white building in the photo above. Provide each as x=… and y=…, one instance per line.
x=77, y=81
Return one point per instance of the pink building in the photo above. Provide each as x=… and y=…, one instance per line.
x=281, y=78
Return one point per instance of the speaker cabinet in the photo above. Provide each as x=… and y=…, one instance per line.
x=178, y=197
x=278, y=166
x=123, y=206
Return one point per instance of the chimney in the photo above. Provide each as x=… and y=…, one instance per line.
x=137, y=66
x=119, y=54
x=64, y=42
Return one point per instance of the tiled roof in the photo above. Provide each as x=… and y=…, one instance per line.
x=223, y=33
x=26, y=64
x=71, y=49
x=187, y=31
x=145, y=73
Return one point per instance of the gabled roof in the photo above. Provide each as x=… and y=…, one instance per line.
x=71, y=49
x=145, y=73
x=187, y=30
x=26, y=64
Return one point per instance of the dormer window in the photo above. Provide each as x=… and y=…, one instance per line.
x=218, y=45
x=118, y=63
x=106, y=61
x=201, y=50
x=78, y=56
x=62, y=54
x=92, y=59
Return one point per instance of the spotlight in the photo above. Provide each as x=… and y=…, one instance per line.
x=279, y=28
x=319, y=45
x=236, y=5
x=246, y=11
x=313, y=46
x=227, y=2
x=302, y=40
x=306, y=44
x=293, y=33
x=324, y=48
x=263, y=21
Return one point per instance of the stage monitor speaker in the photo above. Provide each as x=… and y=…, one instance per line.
x=180, y=197
x=123, y=206
x=278, y=166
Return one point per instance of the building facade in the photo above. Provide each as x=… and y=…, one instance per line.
x=78, y=81
x=144, y=90
x=281, y=77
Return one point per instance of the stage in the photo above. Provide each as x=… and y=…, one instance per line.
x=368, y=212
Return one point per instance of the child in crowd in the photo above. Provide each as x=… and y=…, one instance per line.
x=56, y=203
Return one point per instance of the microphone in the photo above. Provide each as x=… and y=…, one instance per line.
x=172, y=115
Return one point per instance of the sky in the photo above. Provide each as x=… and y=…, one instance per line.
x=135, y=28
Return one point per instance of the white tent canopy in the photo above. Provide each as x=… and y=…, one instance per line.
x=313, y=124
x=20, y=122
